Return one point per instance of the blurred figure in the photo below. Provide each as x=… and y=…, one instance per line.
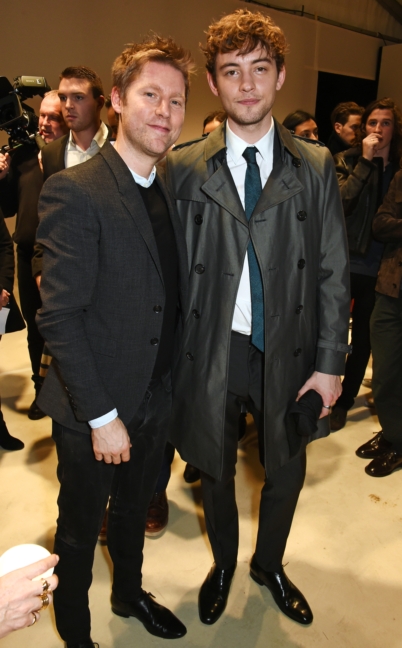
x=345, y=119
x=112, y=118
x=212, y=121
x=14, y=320
x=301, y=123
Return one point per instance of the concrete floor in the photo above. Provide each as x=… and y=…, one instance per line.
x=344, y=551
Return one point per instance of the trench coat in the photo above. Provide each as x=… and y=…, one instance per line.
x=298, y=232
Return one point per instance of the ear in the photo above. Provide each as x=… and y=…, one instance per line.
x=101, y=101
x=116, y=100
x=337, y=127
x=212, y=84
x=281, y=78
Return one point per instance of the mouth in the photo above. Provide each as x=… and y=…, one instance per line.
x=250, y=101
x=163, y=130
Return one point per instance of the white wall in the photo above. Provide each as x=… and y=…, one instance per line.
x=390, y=84
x=43, y=38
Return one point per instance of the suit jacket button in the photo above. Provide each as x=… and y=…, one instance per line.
x=196, y=314
x=154, y=341
x=198, y=219
x=157, y=309
x=297, y=352
x=299, y=309
x=301, y=264
x=199, y=268
x=189, y=356
x=301, y=215
x=296, y=163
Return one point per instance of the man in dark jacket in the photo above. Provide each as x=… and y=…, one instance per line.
x=345, y=119
x=267, y=319
x=20, y=185
x=364, y=175
x=385, y=448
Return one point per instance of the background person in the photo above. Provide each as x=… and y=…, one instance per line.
x=345, y=119
x=301, y=123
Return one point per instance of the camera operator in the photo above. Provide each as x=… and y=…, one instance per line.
x=20, y=185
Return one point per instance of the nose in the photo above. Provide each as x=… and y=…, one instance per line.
x=163, y=108
x=246, y=82
x=68, y=102
x=378, y=127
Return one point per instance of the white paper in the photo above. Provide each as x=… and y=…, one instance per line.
x=4, y=312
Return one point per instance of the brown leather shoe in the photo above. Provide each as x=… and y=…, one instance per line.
x=158, y=515
x=376, y=447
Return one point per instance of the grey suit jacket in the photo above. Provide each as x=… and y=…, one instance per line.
x=101, y=280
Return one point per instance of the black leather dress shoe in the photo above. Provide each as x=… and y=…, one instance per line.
x=384, y=465
x=376, y=447
x=191, y=474
x=35, y=413
x=214, y=593
x=158, y=620
x=83, y=644
x=286, y=595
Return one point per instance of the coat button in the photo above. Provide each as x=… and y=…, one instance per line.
x=301, y=264
x=301, y=215
x=299, y=309
x=157, y=309
x=297, y=352
x=154, y=341
x=189, y=356
x=199, y=268
x=198, y=219
x=296, y=163
x=196, y=314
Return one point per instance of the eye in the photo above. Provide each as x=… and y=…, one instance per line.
x=62, y=97
x=177, y=102
x=231, y=73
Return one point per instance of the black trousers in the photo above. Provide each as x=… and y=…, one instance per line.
x=386, y=339
x=85, y=486
x=362, y=289
x=281, y=490
x=30, y=302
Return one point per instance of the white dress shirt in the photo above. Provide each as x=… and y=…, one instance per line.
x=75, y=155
x=238, y=167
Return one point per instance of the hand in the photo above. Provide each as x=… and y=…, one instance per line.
x=5, y=162
x=4, y=298
x=20, y=595
x=38, y=279
x=369, y=145
x=111, y=442
x=329, y=387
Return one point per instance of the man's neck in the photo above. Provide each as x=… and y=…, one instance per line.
x=84, y=138
x=251, y=133
x=138, y=161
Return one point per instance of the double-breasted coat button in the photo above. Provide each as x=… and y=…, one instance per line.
x=198, y=219
x=296, y=163
x=301, y=215
x=154, y=341
x=196, y=314
x=299, y=309
x=157, y=309
x=297, y=352
x=301, y=263
x=189, y=356
x=199, y=268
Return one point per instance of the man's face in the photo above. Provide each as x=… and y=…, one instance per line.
x=51, y=122
x=307, y=129
x=381, y=122
x=81, y=111
x=152, y=113
x=347, y=132
x=247, y=86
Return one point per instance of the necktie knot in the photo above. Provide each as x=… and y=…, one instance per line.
x=250, y=154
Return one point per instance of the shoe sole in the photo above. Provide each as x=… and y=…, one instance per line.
x=155, y=534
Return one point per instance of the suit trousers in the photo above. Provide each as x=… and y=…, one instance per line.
x=30, y=302
x=386, y=339
x=85, y=486
x=362, y=290
x=281, y=489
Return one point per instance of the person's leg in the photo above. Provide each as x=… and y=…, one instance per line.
x=84, y=490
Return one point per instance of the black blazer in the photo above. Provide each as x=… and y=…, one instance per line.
x=101, y=281
x=53, y=156
x=14, y=320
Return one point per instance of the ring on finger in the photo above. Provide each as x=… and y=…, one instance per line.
x=34, y=620
x=328, y=407
x=45, y=601
x=45, y=585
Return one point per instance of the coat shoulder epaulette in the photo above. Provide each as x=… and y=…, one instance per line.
x=177, y=147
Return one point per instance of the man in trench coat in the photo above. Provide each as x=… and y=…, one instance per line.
x=296, y=233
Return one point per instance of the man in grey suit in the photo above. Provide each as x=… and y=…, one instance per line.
x=114, y=277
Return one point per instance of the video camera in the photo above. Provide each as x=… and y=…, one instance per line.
x=16, y=118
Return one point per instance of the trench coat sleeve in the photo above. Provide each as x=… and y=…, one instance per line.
x=69, y=232
x=333, y=283
x=352, y=181
x=387, y=223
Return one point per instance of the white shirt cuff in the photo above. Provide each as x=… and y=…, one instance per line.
x=102, y=420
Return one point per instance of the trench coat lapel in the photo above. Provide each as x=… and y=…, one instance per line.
x=221, y=188
x=131, y=199
x=280, y=186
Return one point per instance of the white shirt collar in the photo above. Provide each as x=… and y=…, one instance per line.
x=99, y=138
x=235, y=145
x=144, y=182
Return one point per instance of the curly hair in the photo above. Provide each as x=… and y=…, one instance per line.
x=395, y=151
x=129, y=64
x=245, y=31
